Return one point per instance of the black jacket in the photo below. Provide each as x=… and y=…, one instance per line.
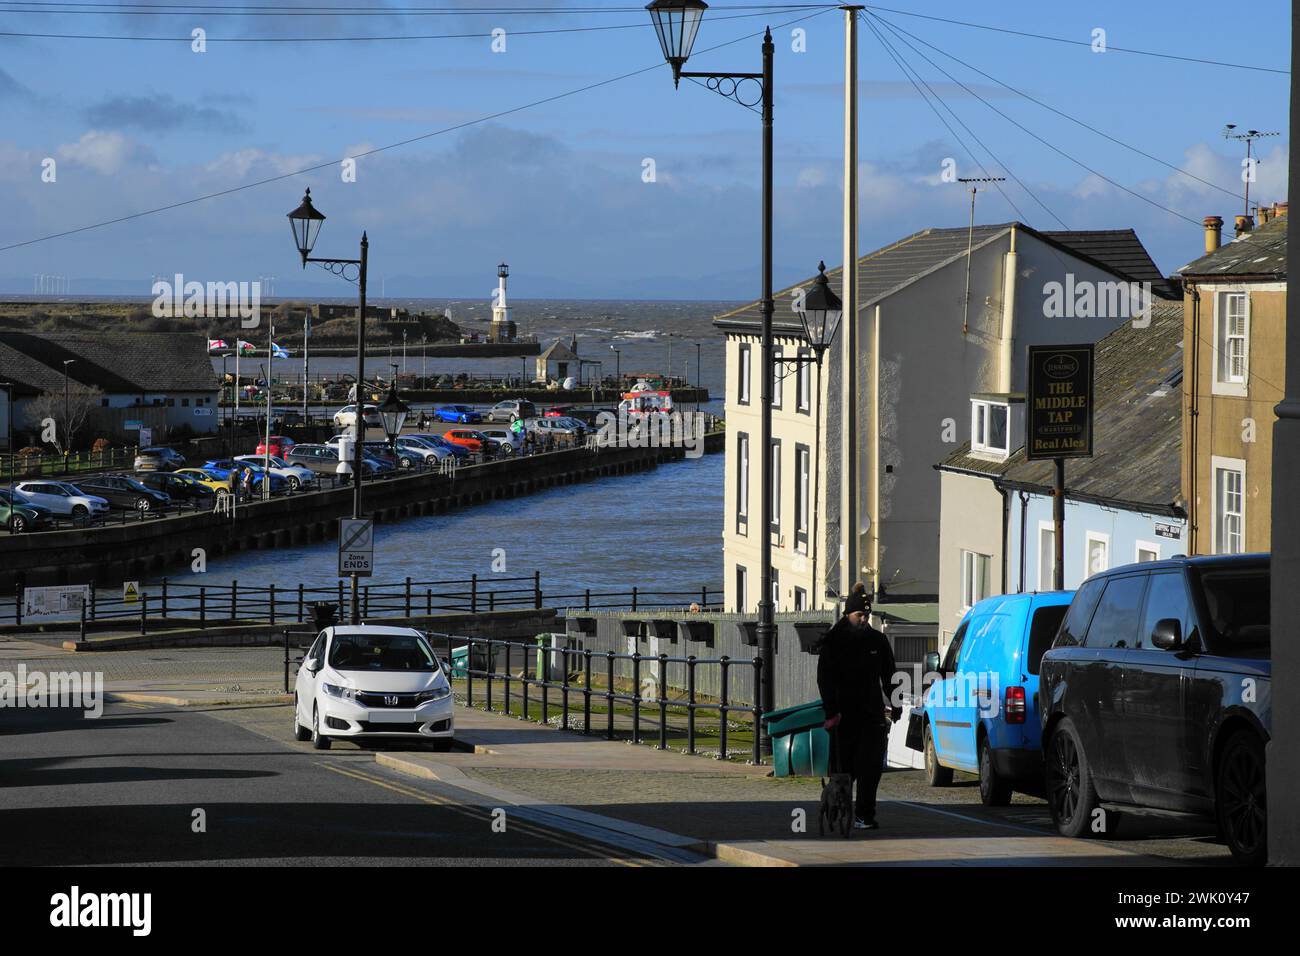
x=856, y=675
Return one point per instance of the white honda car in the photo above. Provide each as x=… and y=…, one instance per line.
x=361, y=681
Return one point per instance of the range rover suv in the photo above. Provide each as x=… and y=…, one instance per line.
x=1156, y=693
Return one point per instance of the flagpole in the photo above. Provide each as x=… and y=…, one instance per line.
x=306, y=365
x=238, y=349
x=266, y=448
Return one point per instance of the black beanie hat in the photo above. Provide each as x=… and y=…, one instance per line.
x=857, y=600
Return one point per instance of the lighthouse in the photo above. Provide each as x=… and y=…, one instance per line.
x=503, y=330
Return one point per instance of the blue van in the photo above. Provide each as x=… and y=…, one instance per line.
x=981, y=714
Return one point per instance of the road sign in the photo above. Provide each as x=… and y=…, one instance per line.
x=130, y=591
x=46, y=602
x=131, y=424
x=356, y=547
x=1060, y=402
x=146, y=436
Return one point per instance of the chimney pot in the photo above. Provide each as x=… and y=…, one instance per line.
x=1243, y=225
x=1213, y=232
x=1264, y=213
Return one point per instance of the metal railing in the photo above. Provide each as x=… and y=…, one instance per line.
x=24, y=467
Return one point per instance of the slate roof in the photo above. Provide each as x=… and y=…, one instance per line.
x=558, y=352
x=893, y=267
x=1260, y=252
x=129, y=363
x=1137, y=431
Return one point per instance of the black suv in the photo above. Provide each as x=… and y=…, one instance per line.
x=125, y=492
x=1156, y=693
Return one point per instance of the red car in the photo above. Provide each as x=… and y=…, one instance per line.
x=466, y=438
x=558, y=411
x=280, y=446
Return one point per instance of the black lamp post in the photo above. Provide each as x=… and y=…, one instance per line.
x=821, y=313
x=393, y=413
x=306, y=223
x=677, y=22
x=618, y=367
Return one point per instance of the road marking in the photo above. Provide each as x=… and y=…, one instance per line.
x=476, y=815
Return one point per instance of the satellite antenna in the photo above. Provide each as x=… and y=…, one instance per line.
x=970, y=235
x=1249, y=137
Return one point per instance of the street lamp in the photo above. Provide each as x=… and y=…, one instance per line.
x=618, y=367
x=821, y=313
x=393, y=413
x=677, y=22
x=306, y=221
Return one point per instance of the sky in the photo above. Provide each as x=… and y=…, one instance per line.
x=628, y=189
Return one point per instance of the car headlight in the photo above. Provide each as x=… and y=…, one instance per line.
x=436, y=693
x=343, y=693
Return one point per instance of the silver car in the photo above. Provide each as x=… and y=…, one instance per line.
x=63, y=499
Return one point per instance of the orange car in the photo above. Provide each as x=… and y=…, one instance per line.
x=467, y=438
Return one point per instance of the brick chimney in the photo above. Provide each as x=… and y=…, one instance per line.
x=1243, y=225
x=1264, y=213
x=1213, y=232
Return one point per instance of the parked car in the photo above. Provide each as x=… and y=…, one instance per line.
x=511, y=409
x=346, y=416
x=456, y=414
x=503, y=441
x=1157, y=693
x=404, y=457
x=324, y=460
x=558, y=411
x=61, y=498
x=124, y=492
x=296, y=477
x=440, y=441
x=279, y=446
x=20, y=515
x=158, y=459
x=981, y=715
x=219, y=486
x=568, y=429
x=427, y=454
x=470, y=439
x=362, y=681
x=382, y=465
x=224, y=467
x=177, y=486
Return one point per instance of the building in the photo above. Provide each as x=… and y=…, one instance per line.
x=558, y=362
x=1235, y=336
x=1124, y=504
x=158, y=380
x=928, y=345
x=503, y=328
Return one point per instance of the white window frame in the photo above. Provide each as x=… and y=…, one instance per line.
x=1229, y=384
x=745, y=364
x=742, y=483
x=1220, y=464
x=1088, y=538
x=969, y=562
x=979, y=434
x=1139, y=546
x=803, y=383
x=802, y=497
x=1050, y=528
x=800, y=599
x=774, y=520
x=778, y=374
x=742, y=588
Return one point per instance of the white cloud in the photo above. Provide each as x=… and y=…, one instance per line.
x=107, y=153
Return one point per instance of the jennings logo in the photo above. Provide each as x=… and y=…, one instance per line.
x=1061, y=366
x=216, y=300
x=75, y=909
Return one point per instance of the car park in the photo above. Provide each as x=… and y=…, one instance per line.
x=324, y=460
x=296, y=477
x=472, y=440
x=226, y=467
x=503, y=441
x=456, y=414
x=981, y=714
x=567, y=429
x=63, y=499
x=426, y=454
x=178, y=487
x=511, y=409
x=124, y=492
x=279, y=446
x=346, y=417
x=20, y=515
x=440, y=441
x=378, y=466
x=158, y=459
x=1156, y=693
x=219, y=486
x=363, y=682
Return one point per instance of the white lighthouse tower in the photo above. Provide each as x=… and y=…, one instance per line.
x=503, y=329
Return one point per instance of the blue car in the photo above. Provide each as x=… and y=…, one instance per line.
x=981, y=714
x=457, y=414
x=222, y=468
x=460, y=451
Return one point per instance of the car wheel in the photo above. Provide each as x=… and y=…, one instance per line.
x=318, y=740
x=1071, y=795
x=1240, y=799
x=294, y=483
x=17, y=524
x=936, y=775
x=299, y=731
x=80, y=512
x=404, y=463
x=994, y=790
x=142, y=505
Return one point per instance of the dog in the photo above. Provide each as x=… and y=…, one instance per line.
x=837, y=805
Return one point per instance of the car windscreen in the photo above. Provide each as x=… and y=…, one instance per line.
x=381, y=652
x=1237, y=602
x=1042, y=631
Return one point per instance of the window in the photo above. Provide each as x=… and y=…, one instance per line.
x=1229, y=524
x=803, y=401
x=1046, y=556
x=949, y=665
x=1096, y=556
x=1042, y=631
x=802, y=461
x=1146, y=551
x=742, y=580
x=742, y=396
x=1166, y=598
x=1116, y=622
x=776, y=590
x=800, y=599
x=1075, y=625
x=185, y=403
x=974, y=578
x=778, y=374
x=1231, y=342
x=742, y=483
x=988, y=427
x=774, y=521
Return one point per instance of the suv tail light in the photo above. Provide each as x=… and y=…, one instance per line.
x=1014, y=705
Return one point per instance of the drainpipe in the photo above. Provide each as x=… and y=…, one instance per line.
x=1006, y=513
x=1024, y=514
x=1009, y=270
x=1193, y=427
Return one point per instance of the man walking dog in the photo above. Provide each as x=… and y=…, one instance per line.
x=857, y=678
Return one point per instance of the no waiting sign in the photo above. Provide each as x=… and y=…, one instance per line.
x=356, y=547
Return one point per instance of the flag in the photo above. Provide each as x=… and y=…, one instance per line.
x=246, y=348
x=216, y=345
x=277, y=352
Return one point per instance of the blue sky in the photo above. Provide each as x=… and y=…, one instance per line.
x=557, y=189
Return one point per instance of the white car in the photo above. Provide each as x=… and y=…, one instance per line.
x=297, y=476
x=361, y=681
x=429, y=454
x=346, y=416
x=507, y=439
x=63, y=499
